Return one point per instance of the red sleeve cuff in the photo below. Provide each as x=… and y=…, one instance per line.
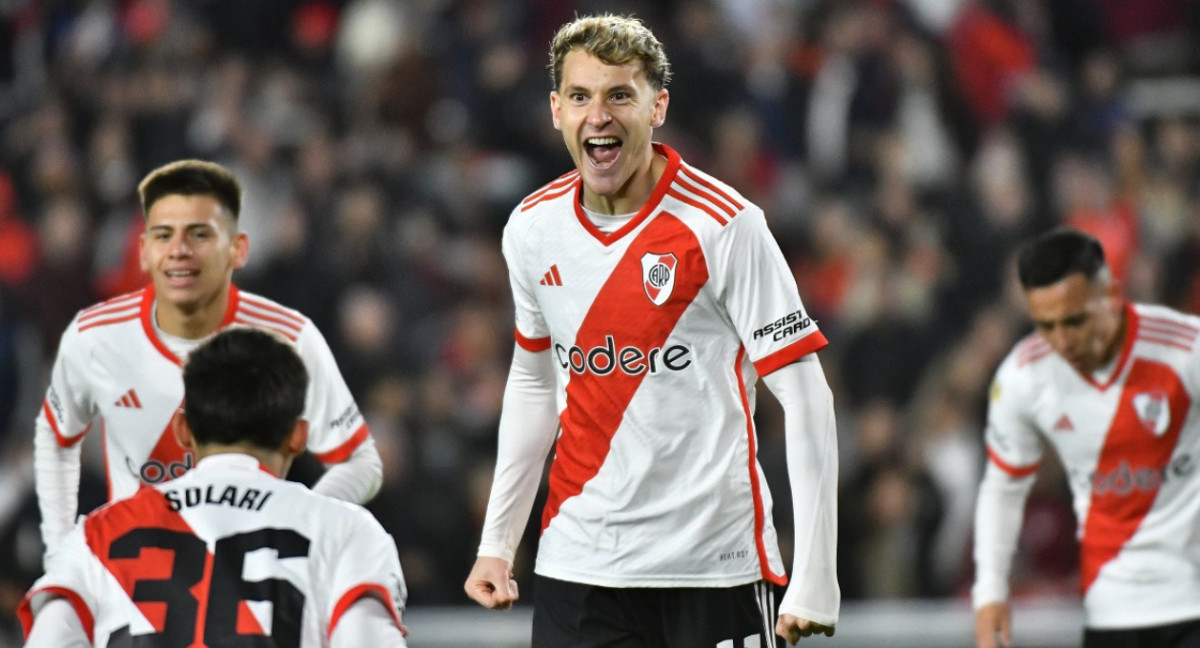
x=810, y=343
x=25, y=610
x=63, y=441
x=367, y=589
x=343, y=452
x=533, y=345
x=1015, y=472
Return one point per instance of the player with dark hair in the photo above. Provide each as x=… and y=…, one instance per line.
x=650, y=297
x=229, y=553
x=118, y=364
x=1112, y=386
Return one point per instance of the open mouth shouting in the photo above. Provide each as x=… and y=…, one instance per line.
x=602, y=151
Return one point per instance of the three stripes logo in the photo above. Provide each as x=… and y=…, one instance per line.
x=130, y=399
x=552, y=278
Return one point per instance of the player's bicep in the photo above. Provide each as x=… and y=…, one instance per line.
x=530, y=327
x=1011, y=439
x=336, y=426
x=68, y=406
x=758, y=291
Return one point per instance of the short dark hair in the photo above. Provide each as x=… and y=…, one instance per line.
x=244, y=386
x=192, y=178
x=1057, y=254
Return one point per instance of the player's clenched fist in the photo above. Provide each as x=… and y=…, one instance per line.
x=792, y=628
x=491, y=583
x=993, y=626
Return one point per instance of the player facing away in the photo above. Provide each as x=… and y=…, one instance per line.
x=229, y=553
x=649, y=298
x=118, y=366
x=1112, y=386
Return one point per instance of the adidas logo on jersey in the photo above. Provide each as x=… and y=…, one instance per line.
x=130, y=399
x=552, y=278
x=1064, y=424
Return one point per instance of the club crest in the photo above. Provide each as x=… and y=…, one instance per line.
x=658, y=276
x=1154, y=411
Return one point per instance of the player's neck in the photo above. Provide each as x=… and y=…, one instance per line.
x=1117, y=342
x=273, y=461
x=191, y=323
x=633, y=195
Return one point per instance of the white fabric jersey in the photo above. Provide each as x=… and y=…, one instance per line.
x=112, y=368
x=1130, y=446
x=657, y=332
x=228, y=549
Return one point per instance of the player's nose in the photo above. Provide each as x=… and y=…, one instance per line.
x=179, y=248
x=598, y=114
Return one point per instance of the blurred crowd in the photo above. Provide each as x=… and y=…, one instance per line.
x=900, y=148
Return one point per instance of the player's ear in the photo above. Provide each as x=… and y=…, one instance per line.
x=241, y=250
x=183, y=433
x=297, y=441
x=555, y=104
x=658, y=115
x=143, y=259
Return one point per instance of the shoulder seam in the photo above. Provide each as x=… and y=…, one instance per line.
x=553, y=189
x=261, y=307
x=1167, y=332
x=693, y=189
x=1032, y=349
x=116, y=302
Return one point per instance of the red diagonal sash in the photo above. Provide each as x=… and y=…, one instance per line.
x=1130, y=469
x=596, y=404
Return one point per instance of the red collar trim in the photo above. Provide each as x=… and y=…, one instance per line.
x=660, y=190
x=147, y=317
x=1131, y=330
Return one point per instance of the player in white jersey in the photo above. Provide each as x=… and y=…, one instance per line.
x=650, y=297
x=118, y=364
x=1113, y=388
x=229, y=553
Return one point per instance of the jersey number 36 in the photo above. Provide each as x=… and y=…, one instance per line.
x=220, y=610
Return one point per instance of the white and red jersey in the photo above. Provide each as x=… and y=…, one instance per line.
x=1129, y=439
x=658, y=332
x=227, y=549
x=114, y=371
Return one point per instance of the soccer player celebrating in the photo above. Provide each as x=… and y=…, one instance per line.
x=649, y=299
x=229, y=553
x=118, y=364
x=1112, y=387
